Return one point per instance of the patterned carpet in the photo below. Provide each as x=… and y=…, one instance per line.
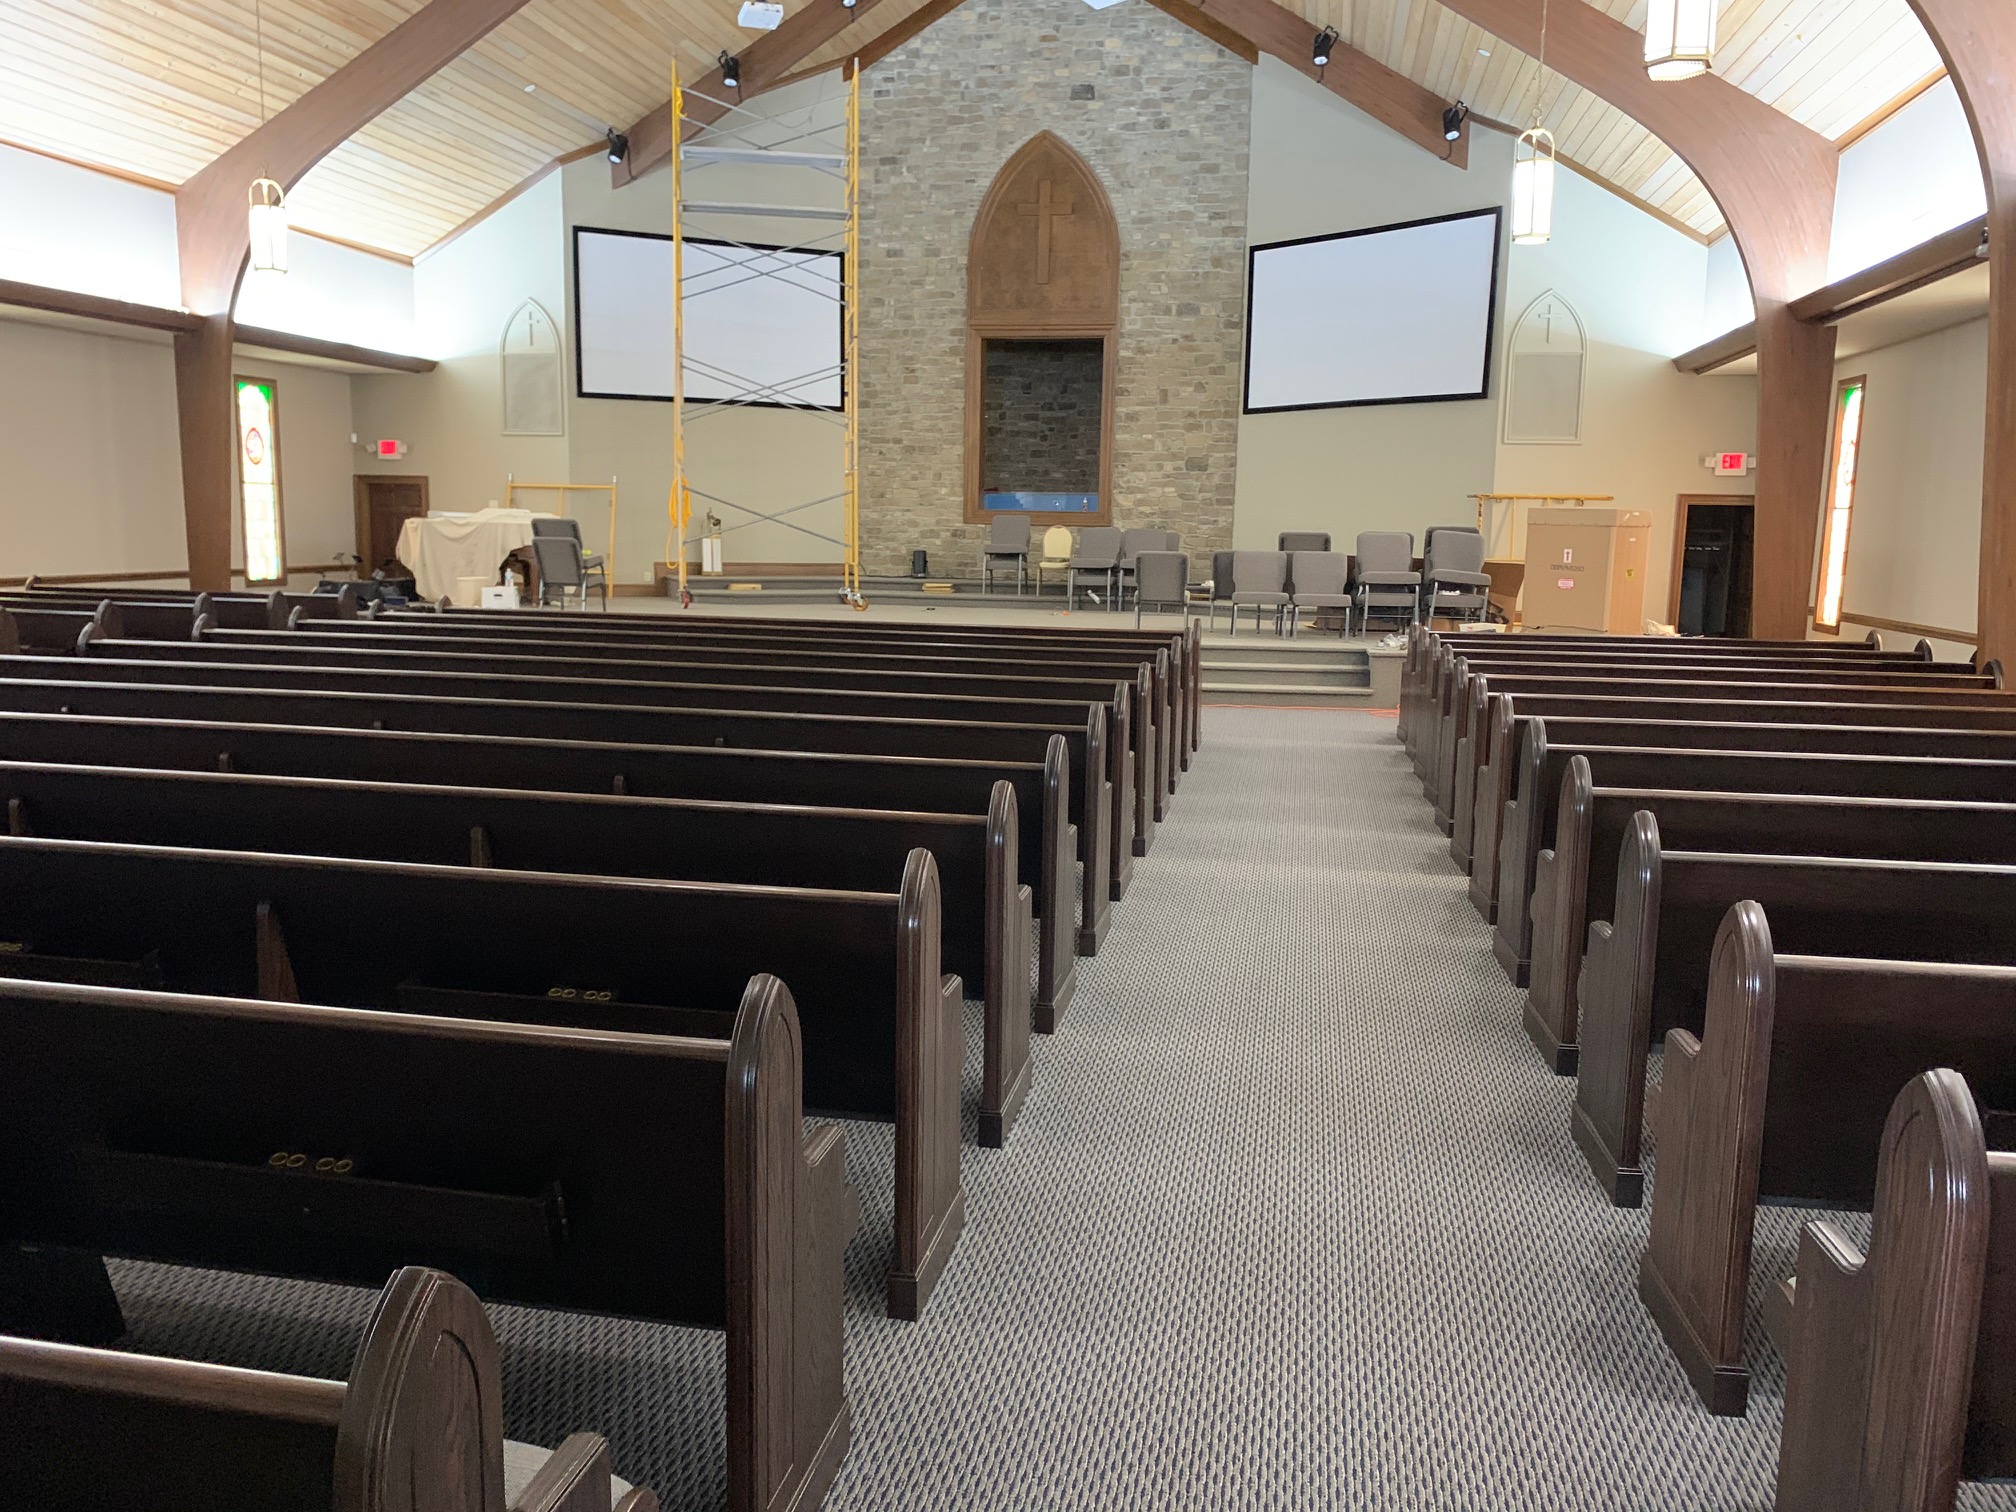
x=1292, y=1220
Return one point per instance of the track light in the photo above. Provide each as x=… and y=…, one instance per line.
x=1452, y=121
x=619, y=145
x=731, y=70
x=1325, y=40
x=849, y=4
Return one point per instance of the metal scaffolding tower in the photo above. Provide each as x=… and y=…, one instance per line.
x=733, y=138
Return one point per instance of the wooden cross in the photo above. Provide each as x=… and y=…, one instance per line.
x=1046, y=212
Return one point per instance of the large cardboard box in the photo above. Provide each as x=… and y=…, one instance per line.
x=1585, y=570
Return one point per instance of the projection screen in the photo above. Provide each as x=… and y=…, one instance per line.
x=1389, y=315
x=762, y=323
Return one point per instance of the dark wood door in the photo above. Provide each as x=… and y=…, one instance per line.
x=383, y=505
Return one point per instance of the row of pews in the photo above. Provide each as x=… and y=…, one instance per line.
x=518, y=947
x=1792, y=866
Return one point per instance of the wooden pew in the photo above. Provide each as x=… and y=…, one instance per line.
x=1783, y=1097
x=1515, y=846
x=999, y=693
x=1764, y=802
x=986, y=914
x=1043, y=848
x=652, y=1175
x=1645, y=971
x=1900, y=1363
x=278, y=609
x=860, y=709
x=102, y=1428
x=1085, y=746
x=882, y=1031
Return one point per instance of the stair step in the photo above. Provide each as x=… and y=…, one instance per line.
x=1281, y=693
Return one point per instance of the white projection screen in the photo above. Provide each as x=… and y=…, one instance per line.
x=762, y=324
x=1389, y=315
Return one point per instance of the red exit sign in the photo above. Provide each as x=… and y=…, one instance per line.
x=1730, y=464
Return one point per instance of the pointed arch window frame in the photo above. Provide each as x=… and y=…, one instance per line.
x=504, y=354
x=1505, y=435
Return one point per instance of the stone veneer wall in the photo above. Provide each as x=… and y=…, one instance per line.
x=1166, y=130
x=1041, y=416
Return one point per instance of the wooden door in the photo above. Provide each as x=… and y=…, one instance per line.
x=383, y=505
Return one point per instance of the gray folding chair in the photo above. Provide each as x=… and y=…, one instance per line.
x=1221, y=583
x=1317, y=580
x=1160, y=577
x=592, y=564
x=1385, y=577
x=1259, y=578
x=561, y=572
x=1132, y=544
x=1428, y=540
x=1455, y=580
x=1292, y=541
x=1098, y=554
x=1007, y=540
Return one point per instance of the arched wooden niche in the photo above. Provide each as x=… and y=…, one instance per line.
x=1042, y=280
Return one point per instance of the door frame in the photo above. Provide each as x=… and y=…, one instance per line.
x=361, y=508
x=1686, y=502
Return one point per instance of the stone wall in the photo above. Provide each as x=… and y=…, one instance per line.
x=1041, y=416
x=1162, y=115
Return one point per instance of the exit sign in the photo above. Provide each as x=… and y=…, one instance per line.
x=392, y=450
x=1731, y=464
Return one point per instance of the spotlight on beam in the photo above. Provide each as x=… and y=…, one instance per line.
x=619, y=145
x=1325, y=40
x=1452, y=121
x=731, y=70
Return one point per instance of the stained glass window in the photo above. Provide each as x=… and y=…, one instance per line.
x=259, y=480
x=1840, y=504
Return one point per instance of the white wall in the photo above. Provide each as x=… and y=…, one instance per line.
x=1911, y=178
x=336, y=293
x=71, y=228
x=1727, y=303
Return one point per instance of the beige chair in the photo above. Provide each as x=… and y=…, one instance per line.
x=1056, y=554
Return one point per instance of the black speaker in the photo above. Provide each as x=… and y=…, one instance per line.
x=920, y=564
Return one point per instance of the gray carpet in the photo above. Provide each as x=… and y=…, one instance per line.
x=1293, y=1220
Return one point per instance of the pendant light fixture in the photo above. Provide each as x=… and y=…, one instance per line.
x=1533, y=165
x=1679, y=38
x=266, y=218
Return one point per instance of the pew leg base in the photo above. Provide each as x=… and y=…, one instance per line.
x=1624, y=1184
x=1123, y=874
x=60, y=1295
x=1142, y=837
x=1092, y=933
x=1724, y=1388
x=910, y=1291
x=1561, y=1058
x=1047, y=1015
x=1517, y=967
x=1446, y=824
x=1482, y=900
x=825, y=1467
x=997, y=1123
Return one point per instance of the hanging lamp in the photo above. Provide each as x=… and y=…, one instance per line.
x=1533, y=165
x=1679, y=38
x=266, y=215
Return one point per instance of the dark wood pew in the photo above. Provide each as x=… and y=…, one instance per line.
x=1645, y=970
x=1001, y=692
x=1044, y=845
x=882, y=1031
x=753, y=690
x=1512, y=845
x=57, y=631
x=102, y=1428
x=1458, y=753
x=1185, y=647
x=653, y=1175
x=1783, y=1098
x=1085, y=746
x=985, y=912
x=1900, y=1364
x=278, y=609
x=1764, y=802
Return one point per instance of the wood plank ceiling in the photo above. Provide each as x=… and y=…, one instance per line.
x=156, y=88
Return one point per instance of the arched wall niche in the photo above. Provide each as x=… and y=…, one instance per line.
x=533, y=381
x=1546, y=371
x=1042, y=271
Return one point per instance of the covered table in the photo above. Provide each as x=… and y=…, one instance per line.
x=441, y=548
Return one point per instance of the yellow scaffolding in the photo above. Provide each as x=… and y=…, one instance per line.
x=512, y=487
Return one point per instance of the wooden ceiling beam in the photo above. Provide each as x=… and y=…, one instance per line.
x=766, y=63
x=1774, y=182
x=1389, y=97
x=211, y=237
x=1977, y=40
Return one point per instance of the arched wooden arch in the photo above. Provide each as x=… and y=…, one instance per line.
x=1043, y=264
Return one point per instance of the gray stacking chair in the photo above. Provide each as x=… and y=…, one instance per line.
x=1456, y=582
x=1098, y=554
x=1160, y=577
x=1317, y=580
x=592, y=565
x=1221, y=583
x=1385, y=577
x=1428, y=540
x=561, y=572
x=1259, y=578
x=1292, y=541
x=1132, y=544
x=1007, y=540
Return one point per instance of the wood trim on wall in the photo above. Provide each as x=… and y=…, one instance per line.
x=1910, y=627
x=1881, y=115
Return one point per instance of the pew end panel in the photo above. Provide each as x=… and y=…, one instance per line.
x=931, y=1038
x=1488, y=807
x=1057, y=956
x=1095, y=838
x=1005, y=1048
x=1560, y=876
